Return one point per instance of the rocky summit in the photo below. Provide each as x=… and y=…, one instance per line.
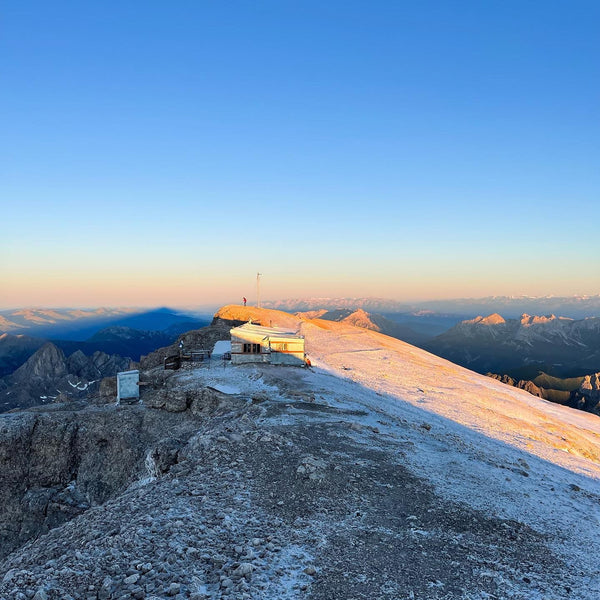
x=382, y=472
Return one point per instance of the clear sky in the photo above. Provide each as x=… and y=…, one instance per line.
x=161, y=153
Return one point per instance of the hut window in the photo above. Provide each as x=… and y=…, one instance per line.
x=251, y=349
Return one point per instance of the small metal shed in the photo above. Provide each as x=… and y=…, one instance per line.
x=128, y=386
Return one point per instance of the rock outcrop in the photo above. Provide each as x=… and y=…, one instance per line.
x=591, y=386
x=588, y=394
x=522, y=384
x=585, y=397
x=531, y=388
x=202, y=339
x=55, y=464
x=503, y=378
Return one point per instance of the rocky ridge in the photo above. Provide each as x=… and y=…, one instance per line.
x=322, y=484
x=582, y=393
x=234, y=512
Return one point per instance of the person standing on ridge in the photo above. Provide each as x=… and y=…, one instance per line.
x=244, y=299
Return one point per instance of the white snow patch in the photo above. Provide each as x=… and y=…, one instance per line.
x=226, y=389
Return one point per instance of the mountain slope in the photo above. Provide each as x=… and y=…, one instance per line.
x=127, y=341
x=379, y=323
x=383, y=472
x=374, y=322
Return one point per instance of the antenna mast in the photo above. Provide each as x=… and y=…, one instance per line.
x=258, y=289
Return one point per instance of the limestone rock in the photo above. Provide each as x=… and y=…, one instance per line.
x=166, y=454
x=212, y=402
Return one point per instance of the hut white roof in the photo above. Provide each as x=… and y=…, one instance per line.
x=252, y=332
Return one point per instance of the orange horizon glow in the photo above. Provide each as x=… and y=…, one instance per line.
x=175, y=290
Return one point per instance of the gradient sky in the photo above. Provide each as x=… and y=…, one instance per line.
x=161, y=153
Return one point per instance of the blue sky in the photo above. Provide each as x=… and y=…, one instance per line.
x=162, y=153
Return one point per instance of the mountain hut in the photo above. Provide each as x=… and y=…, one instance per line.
x=256, y=344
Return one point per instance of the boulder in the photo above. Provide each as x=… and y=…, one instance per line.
x=169, y=400
x=209, y=401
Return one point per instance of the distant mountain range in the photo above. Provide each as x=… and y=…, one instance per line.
x=576, y=307
x=33, y=318
x=519, y=347
x=559, y=346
